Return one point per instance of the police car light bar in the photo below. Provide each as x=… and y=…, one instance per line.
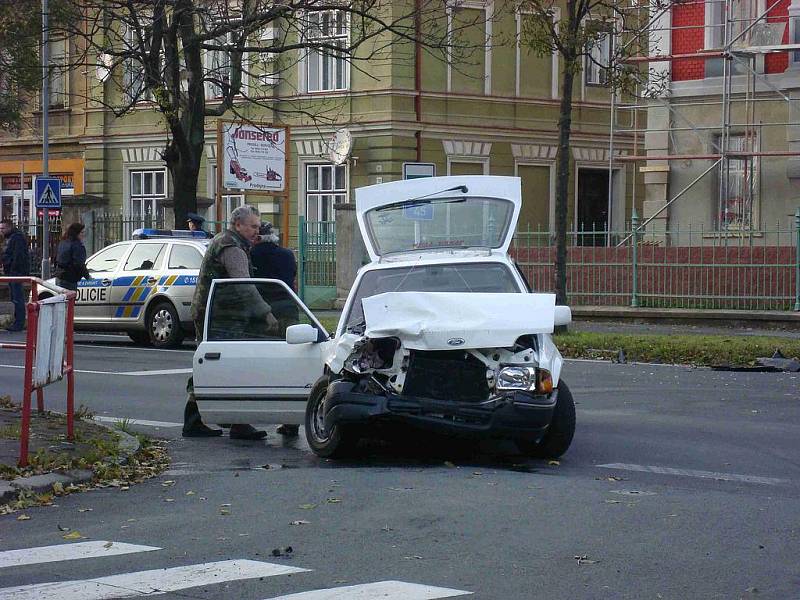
x=150, y=234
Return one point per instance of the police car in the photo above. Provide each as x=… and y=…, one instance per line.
x=143, y=286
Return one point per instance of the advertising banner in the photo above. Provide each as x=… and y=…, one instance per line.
x=253, y=157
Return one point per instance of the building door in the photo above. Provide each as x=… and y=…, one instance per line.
x=592, y=207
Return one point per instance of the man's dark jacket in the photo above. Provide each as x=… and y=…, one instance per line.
x=270, y=261
x=16, y=258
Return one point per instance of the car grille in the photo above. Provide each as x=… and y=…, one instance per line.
x=453, y=376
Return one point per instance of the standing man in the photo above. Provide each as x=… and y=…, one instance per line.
x=195, y=223
x=270, y=261
x=16, y=263
x=228, y=256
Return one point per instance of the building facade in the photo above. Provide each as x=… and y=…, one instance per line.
x=722, y=140
x=496, y=114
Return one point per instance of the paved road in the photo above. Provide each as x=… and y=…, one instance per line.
x=681, y=483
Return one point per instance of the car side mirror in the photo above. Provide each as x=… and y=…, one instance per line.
x=301, y=334
x=563, y=316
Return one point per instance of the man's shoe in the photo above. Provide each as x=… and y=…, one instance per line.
x=201, y=430
x=15, y=328
x=289, y=430
x=246, y=432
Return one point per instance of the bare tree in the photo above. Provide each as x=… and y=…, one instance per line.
x=20, y=71
x=195, y=59
x=601, y=35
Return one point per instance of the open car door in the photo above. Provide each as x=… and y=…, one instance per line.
x=252, y=368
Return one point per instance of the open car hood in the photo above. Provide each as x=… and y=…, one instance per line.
x=449, y=321
x=439, y=213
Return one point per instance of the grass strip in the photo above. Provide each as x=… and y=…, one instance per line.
x=700, y=350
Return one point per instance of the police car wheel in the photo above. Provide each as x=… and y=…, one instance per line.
x=163, y=326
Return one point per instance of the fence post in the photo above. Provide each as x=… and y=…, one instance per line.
x=301, y=259
x=797, y=260
x=635, y=242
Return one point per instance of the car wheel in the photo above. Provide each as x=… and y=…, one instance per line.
x=163, y=326
x=140, y=337
x=336, y=443
x=559, y=435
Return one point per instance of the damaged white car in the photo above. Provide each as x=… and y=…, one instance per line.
x=439, y=332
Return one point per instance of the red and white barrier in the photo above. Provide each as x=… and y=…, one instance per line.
x=48, y=351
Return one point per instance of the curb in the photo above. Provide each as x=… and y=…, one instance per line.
x=38, y=484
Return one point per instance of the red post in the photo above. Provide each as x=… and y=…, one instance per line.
x=33, y=316
x=70, y=369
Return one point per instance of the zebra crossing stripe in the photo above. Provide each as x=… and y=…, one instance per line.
x=383, y=590
x=47, y=554
x=142, y=583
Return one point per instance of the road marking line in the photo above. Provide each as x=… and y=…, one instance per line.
x=185, y=371
x=693, y=473
x=59, y=552
x=142, y=422
x=147, y=583
x=385, y=590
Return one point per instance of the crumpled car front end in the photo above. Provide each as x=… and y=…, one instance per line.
x=463, y=364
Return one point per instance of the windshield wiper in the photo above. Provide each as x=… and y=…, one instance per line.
x=423, y=200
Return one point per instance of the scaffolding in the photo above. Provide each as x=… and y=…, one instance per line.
x=739, y=34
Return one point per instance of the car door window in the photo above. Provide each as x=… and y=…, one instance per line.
x=236, y=313
x=144, y=257
x=183, y=256
x=107, y=259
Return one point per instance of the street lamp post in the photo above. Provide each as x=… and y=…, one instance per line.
x=45, y=137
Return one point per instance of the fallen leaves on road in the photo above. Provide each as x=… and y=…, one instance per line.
x=308, y=506
x=333, y=500
x=553, y=463
x=583, y=559
x=108, y=545
x=85, y=509
x=287, y=551
x=168, y=483
x=447, y=463
x=413, y=557
x=60, y=528
x=300, y=522
x=74, y=535
x=23, y=518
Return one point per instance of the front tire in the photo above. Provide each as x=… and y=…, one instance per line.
x=163, y=326
x=337, y=443
x=559, y=435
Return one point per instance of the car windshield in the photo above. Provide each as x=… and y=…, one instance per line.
x=463, y=278
x=439, y=223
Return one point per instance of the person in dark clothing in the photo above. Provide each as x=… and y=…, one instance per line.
x=195, y=223
x=16, y=263
x=270, y=261
x=71, y=258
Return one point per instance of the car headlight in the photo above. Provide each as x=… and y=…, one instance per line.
x=526, y=379
x=516, y=378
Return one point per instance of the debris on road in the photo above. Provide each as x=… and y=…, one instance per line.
x=285, y=552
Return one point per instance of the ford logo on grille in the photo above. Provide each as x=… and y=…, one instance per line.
x=456, y=342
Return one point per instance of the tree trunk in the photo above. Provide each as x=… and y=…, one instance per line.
x=184, y=189
x=562, y=178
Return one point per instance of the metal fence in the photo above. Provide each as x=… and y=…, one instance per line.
x=34, y=231
x=317, y=258
x=104, y=228
x=679, y=268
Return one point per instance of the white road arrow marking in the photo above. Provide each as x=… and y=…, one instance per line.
x=693, y=473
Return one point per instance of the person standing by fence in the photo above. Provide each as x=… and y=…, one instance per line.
x=71, y=258
x=16, y=263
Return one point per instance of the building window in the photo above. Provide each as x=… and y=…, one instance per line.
x=326, y=185
x=133, y=80
x=327, y=70
x=598, y=59
x=469, y=53
x=738, y=186
x=148, y=189
x=58, y=73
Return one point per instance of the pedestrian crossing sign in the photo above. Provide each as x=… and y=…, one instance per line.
x=48, y=192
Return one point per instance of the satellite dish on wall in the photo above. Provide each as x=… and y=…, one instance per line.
x=104, y=64
x=340, y=146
